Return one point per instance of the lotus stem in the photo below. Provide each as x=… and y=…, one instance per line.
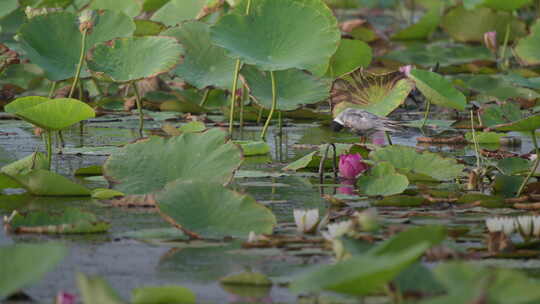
x=504, y=61
x=139, y=107
x=49, y=149
x=233, y=96
x=96, y=84
x=476, y=147
x=79, y=66
x=274, y=105
x=323, y=160
x=535, y=165
x=388, y=138
x=53, y=88
x=259, y=116
x=426, y=115
x=205, y=97
x=280, y=123
x=245, y=96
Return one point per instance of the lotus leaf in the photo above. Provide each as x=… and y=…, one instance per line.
x=500, y=114
x=294, y=88
x=6, y=182
x=359, y=275
x=53, y=41
x=350, y=55
x=148, y=28
x=506, y=5
x=130, y=59
x=176, y=11
x=210, y=210
x=529, y=124
x=470, y=26
x=95, y=290
x=382, y=180
x=153, y=5
x=70, y=220
x=8, y=6
x=26, y=264
x=527, y=49
x=34, y=161
x=406, y=159
x=148, y=165
x=252, y=148
x=497, y=87
x=50, y=114
x=47, y=183
x=128, y=7
x=432, y=235
x=163, y=294
x=280, y=34
x=204, y=64
x=484, y=137
x=423, y=28
x=513, y=165
x=438, y=90
x=247, y=278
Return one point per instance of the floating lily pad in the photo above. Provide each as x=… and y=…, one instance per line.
x=280, y=34
x=406, y=159
x=486, y=201
x=485, y=137
x=210, y=210
x=294, y=88
x=350, y=55
x=204, y=156
x=130, y=59
x=47, y=183
x=382, y=180
x=70, y=220
x=513, y=165
x=50, y=114
x=26, y=264
x=251, y=148
x=470, y=25
x=163, y=294
x=41, y=33
x=204, y=64
x=438, y=90
x=95, y=290
x=128, y=7
x=500, y=114
x=408, y=239
x=176, y=11
x=423, y=28
x=528, y=124
x=34, y=161
x=247, y=279
x=401, y=201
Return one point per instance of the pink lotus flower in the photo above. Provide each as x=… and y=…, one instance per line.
x=350, y=165
x=490, y=41
x=406, y=69
x=65, y=298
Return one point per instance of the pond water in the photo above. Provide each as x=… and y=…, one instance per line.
x=127, y=263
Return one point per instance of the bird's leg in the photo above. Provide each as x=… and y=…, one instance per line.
x=388, y=138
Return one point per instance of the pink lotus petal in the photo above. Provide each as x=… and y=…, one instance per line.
x=350, y=165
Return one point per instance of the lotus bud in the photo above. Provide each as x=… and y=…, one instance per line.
x=86, y=21
x=367, y=220
x=306, y=221
x=490, y=41
x=406, y=69
x=65, y=298
x=337, y=230
x=350, y=165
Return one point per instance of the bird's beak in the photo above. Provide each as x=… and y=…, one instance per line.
x=336, y=126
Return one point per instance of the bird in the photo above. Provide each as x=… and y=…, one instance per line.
x=363, y=122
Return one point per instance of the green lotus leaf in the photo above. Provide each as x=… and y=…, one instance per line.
x=148, y=28
x=163, y=294
x=438, y=90
x=423, y=28
x=176, y=11
x=53, y=41
x=280, y=34
x=204, y=64
x=153, y=5
x=50, y=114
x=484, y=137
x=128, y=7
x=350, y=55
x=442, y=53
x=506, y=5
x=501, y=114
x=294, y=88
x=514, y=165
x=382, y=180
x=26, y=264
x=210, y=210
x=406, y=159
x=529, y=124
x=8, y=6
x=470, y=25
x=379, y=94
x=507, y=185
x=47, y=183
x=148, y=165
x=95, y=290
x=497, y=87
x=528, y=48
x=252, y=148
x=433, y=235
x=7, y=182
x=130, y=59
x=360, y=274
x=247, y=278
x=34, y=161
x=69, y=221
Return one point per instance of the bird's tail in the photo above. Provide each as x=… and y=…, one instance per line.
x=392, y=125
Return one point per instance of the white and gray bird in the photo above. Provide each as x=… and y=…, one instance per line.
x=363, y=122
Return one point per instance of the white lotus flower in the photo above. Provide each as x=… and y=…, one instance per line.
x=254, y=238
x=306, y=220
x=336, y=230
x=508, y=225
x=525, y=224
x=494, y=224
